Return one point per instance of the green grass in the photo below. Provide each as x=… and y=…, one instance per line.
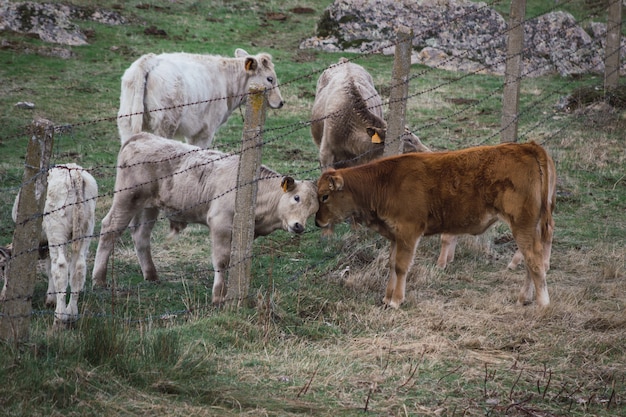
x=313, y=339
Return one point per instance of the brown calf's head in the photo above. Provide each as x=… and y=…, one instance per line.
x=335, y=204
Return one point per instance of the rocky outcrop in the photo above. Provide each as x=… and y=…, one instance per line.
x=52, y=22
x=462, y=36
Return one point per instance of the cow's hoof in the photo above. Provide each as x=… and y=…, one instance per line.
x=99, y=285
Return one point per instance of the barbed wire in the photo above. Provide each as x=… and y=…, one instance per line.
x=281, y=132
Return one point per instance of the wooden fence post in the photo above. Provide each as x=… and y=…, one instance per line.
x=612, y=50
x=243, y=222
x=21, y=270
x=399, y=91
x=513, y=71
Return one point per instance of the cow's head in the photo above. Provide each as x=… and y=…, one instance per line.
x=335, y=204
x=260, y=70
x=297, y=203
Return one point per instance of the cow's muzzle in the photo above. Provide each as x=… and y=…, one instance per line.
x=297, y=228
x=279, y=105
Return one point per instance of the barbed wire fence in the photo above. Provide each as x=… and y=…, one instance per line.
x=18, y=299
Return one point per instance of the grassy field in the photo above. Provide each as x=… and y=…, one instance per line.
x=317, y=342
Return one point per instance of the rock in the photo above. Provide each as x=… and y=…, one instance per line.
x=51, y=22
x=461, y=35
x=25, y=105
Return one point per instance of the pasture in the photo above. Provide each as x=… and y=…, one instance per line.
x=315, y=339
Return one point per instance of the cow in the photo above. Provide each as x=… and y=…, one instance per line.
x=192, y=185
x=408, y=196
x=347, y=118
x=190, y=95
x=67, y=228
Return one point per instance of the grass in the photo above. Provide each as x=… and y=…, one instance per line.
x=314, y=340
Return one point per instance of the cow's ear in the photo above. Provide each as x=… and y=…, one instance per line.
x=288, y=184
x=240, y=53
x=251, y=64
x=377, y=135
x=335, y=182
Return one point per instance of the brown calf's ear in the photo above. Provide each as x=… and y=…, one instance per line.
x=288, y=184
x=335, y=182
x=251, y=64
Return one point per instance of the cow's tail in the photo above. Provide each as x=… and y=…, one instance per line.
x=362, y=107
x=548, y=190
x=131, y=113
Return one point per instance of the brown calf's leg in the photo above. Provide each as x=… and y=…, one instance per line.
x=404, y=250
x=535, y=282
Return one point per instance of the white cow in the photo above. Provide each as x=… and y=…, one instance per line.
x=192, y=185
x=67, y=226
x=190, y=95
x=347, y=118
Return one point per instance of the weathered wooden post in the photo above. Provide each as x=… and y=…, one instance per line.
x=245, y=200
x=399, y=91
x=22, y=267
x=513, y=71
x=612, y=51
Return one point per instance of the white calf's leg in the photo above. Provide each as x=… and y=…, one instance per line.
x=51, y=294
x=59, y=274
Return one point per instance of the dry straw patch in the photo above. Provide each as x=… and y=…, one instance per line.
x=468, y=315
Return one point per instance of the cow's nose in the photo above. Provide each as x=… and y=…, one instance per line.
x=298, y=228
x=280, y=105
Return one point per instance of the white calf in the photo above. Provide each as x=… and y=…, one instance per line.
x=68, y=222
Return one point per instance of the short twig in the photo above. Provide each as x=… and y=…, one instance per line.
x=413, y=370
x=306, y=386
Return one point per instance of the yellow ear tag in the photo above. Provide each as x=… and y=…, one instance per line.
x=284, y=185
x=376, y=138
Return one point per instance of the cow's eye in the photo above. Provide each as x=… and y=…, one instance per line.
x=324, y=198
x=297, y=198
x=270, y=80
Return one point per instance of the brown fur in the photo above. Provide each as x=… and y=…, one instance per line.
x=408, y=196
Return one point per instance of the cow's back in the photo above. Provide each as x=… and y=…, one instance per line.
x=484, y=181
x=346, y=103
x=176, y=174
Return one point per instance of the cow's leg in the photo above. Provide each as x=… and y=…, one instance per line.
x=51, y=294
x=78, y=273
x=326, y=156
x=393, y=278
x=516, y=260
x=404, y=254
x=448, y=246
x=113, y=224
x=531, y=247
x=220, y=255
x=141, y=229
x=59, y=275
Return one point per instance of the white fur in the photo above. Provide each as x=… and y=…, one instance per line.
x=190, y=95
x=67, y=226
x=192, y=185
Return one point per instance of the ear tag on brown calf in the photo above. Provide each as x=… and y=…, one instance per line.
x=376, y=138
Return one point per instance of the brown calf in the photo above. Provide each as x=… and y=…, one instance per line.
x=408, y=196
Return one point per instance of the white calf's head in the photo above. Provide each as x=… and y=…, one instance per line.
x=297, y=204
x=260, y=70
